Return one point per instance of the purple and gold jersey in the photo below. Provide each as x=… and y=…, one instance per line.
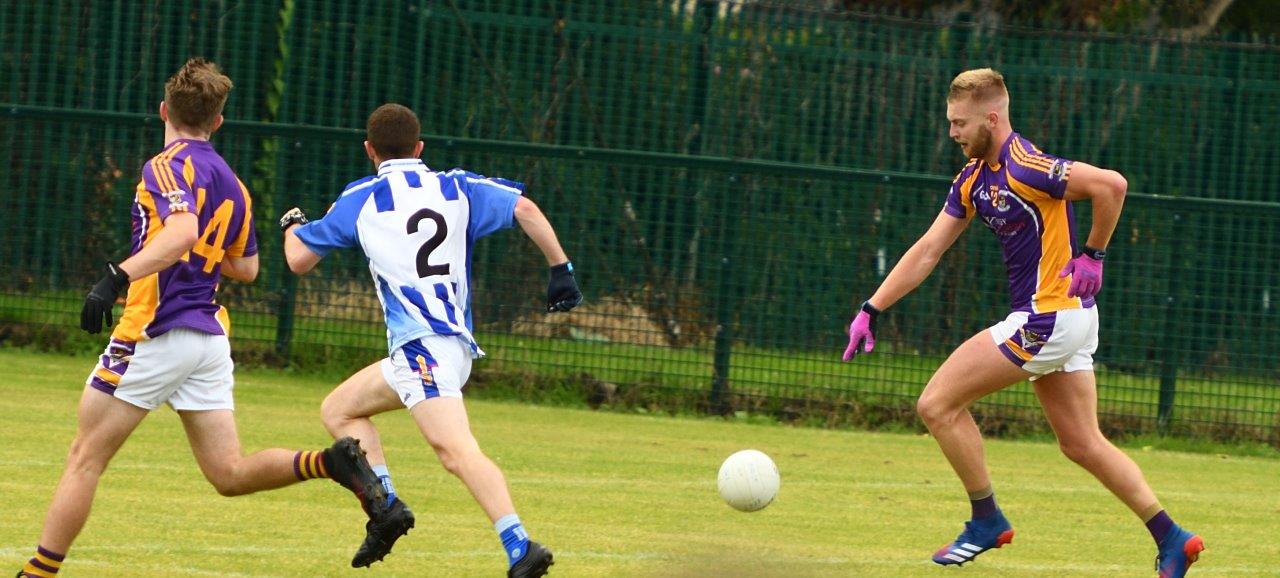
x=187, y=176
x=1020, y=200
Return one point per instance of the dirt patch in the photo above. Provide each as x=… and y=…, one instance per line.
x=608, y=320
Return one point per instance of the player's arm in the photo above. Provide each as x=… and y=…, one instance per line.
x=298, y=255
x=173, y=241
x=241, y=268
x=1105, y=190
x=918, y=262
x=912, y=269
x=538, y=228
x=562, y=289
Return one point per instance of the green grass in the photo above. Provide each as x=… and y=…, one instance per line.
x=613, y=494
x=1221, y=409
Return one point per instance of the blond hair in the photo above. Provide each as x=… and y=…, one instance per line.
x=195, y=94
x=979, y=84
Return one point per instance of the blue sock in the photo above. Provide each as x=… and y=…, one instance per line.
x=514, y=539
x=983, y=504
x=383, y=474
x=1159, y=526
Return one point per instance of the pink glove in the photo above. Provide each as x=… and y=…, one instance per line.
x=862, y=331
x=1086, y=276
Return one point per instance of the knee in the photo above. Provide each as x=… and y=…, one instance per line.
x=1082, y=450
x=453, y=457
x=226, y=481
x=333, y=414
x=933, y=410
x=83, y=460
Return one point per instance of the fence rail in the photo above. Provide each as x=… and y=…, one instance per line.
x=726, y=176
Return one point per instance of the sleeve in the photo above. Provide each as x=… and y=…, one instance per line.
x=1042, y=172
x=167, y=190
x=246, y=243
x=959, y=203
x=493, y=202
x=337, y=229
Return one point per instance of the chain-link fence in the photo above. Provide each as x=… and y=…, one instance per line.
x=727, y=177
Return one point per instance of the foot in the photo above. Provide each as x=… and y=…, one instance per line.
x=381, y=534
x=348, y=467
x=535, y=562
x=1179, y=550
x=978, y=537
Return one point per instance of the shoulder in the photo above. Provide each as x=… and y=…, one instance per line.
x=966, y=171
x=1025, y=156
x=357, y=183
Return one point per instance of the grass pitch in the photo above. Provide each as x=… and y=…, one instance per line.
x=612, y=494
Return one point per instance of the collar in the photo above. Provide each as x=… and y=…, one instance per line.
x=1004, y=153
x=401, y=165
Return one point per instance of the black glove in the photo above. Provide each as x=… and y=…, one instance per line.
x=291, y=217
x=100, y=300
x=562, y=290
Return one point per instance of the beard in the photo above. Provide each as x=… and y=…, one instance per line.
x=980, y=145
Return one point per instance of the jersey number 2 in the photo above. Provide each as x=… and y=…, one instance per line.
x=426, y=269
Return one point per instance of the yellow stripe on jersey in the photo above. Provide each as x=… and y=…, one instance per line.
x=242, y=239
x=966, y=192
x=1020, y=156
x=224, y=319
x=1018, y=350
x=164, y=171
x=1055, y=250
x=189, y=172
x=144, y=294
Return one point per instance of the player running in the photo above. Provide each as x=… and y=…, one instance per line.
x=416, y=227
x=1023, y=195
x=192, y=225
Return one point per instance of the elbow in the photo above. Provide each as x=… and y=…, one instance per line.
x=296, y=265
x=525, y=208
x=249, y=275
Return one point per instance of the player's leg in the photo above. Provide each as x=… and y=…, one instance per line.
x=347, y=409
x=1070, y=402
x=104, y=424
x=346, y=413
x=204, y=402
x=973, y=370
x=430, y=374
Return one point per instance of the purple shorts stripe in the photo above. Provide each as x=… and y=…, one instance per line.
x=1004, y=348
x=99, y=384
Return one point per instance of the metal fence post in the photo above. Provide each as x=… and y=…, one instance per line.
x=1169, y=365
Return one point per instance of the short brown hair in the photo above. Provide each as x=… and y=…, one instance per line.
x=393, y=131
x=980, y=84
x=196, y=93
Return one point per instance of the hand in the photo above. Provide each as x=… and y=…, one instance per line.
x=100, y=300
x=292, y=217
x=862, y=331
x=1086, y=276
x=562, y=290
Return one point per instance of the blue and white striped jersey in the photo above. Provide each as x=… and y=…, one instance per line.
x=416, y=227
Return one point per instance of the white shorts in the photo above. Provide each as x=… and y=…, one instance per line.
x=1043, y=343
x=188, y=369
x=433, y=366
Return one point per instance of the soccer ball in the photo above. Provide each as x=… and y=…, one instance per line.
x=748, y=480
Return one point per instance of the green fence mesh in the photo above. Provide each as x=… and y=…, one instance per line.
x=727, y=177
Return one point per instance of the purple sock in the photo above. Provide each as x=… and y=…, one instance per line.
x=1159, y=525
x=984, y=507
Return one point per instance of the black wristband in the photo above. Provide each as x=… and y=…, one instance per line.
x=1095, y=254
x=119, y=279
x=869, y=308
x=566, y=267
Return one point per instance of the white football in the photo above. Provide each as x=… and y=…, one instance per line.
x=749, y=480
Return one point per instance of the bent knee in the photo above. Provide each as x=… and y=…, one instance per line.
x=333, y=413
x=932, y=409
x=1085, y=449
